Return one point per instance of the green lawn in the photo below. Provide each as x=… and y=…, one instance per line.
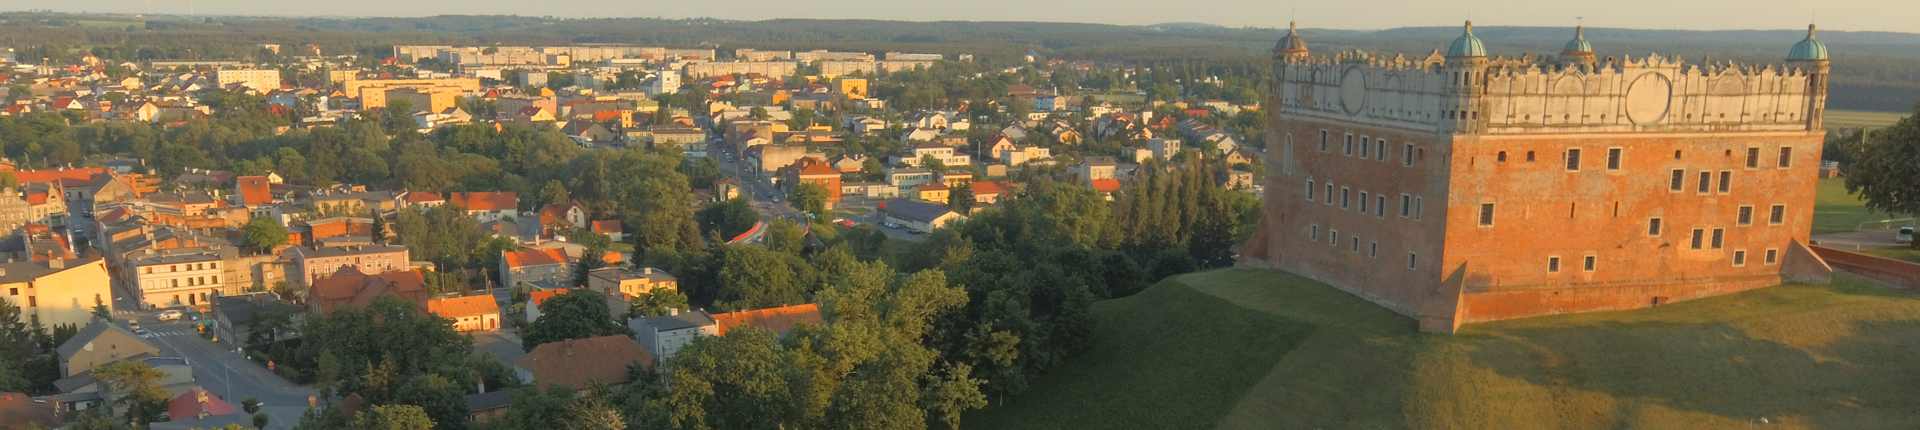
x=1851, y=118
x=1836, y=211
x=1258, y=349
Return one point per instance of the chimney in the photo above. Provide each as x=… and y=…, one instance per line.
x=649, y=270
x=673, y=311
x=55, y=263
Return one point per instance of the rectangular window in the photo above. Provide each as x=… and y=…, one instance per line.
x=1412, y=260
x=1706, y=182
x=1406, y=205
x=1698, y=235
x=1719, y=238
x=1745, y=216
x=1356, y=243
x=1329, y=193
x=1363, y=202
x=1344, y=194
x=1333, y=237
x=1573, y=160
x=1349, y=145
x=1553, y=264
x=1417, y=206
x=33, y=301
x=1613, y=158
x=1373, y=249
x=1380, y=150
x=1726, y=181
x=1588, y=266
x=1313, y=233
x=1407, y=159
x=1365, y=142
x=1309, y=190
x=1679, y=180
x=1773, y=256
x=1778, y=215
x=1653, y=226
x=1786, y=157
x=1753, y=158
x=1739, y=257
x=1323, y=141
x=1380, y=205
x=1486, y=214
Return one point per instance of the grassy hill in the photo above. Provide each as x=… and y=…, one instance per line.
x=1259, y=349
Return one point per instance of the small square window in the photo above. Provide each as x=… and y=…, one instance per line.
x=1786, y=157
x=1486, y=214
x=1698, y=236
x=1679, y=180
x=1706, y=182
x=1573, y=160
x=1753, y=158
x=1744, y=216
x=1588, y=266
x=1719, y=238
x=1777, y=215
x=1773, y=256
x=1726, y=181
x=1553, y=264
x=1653, y=226
x=1740, y=257
x=1613, y=158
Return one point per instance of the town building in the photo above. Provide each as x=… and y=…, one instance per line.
x=59, y=291
x=628, y=283
x=534, y=265
x=470, y=313
x=351, y=287
x=664, y=335
x=579, y=363
x=313, y=262
x=1677, y=181
x=99, y=343
x=487, y=206
x=917, y=215
x=778, y=320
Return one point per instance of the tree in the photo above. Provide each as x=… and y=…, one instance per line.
x=100, y=311
x=785, y=237
x=138, y=388
x=260, y=420
x=251, y=405
x=555, y=193
x=933, y=163
x=263, y=234
x=809, y=197
x=701, y=171
x=755, y=278
x=1883, y=170
x=961, y=199
x=394, y=417
x=444, y=401
x=8, y=181
x=656, y=302
x=730, y=218
x=577, y=314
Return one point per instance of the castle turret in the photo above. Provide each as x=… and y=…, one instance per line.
x=1291, y=45
x=1466, y=68
x=1810, y=56
x=1578, y=51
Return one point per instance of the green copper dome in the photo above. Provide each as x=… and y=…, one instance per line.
x=1467, y=45
x=1579, y=43
x=1808, y=49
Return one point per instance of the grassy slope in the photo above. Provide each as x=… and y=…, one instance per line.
x=1254, y=349
x=1853, y=118
x=1836, y=211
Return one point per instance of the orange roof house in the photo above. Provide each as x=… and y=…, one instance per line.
x=351, y=287
x=468, y=313
x=778, y=320
x=579, y=362
x=254, y=190
x=489, y=201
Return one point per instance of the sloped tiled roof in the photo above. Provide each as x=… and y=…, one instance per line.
x=197, y=401
x=18, y=410
x=577, y=362
x=778, y=320
x=490, y=201
x=538, y=297
x=422, y=197
x=1106, y=185
x=606, y=226
x=534, y=257
x=254, y=190
x=469, y=306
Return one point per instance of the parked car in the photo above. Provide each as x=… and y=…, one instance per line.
x=143, y=333
x=170, y=315
x=847, y=223
x=1904, y=236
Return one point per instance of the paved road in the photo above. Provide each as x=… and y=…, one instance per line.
x=1864, y=239
x=221, y=370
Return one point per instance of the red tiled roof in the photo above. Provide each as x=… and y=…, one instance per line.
x=469, y=306
x=575, y=363
x=606, y=226
x=1106, y=185
x=494, y=201
x=984, y=188
x=819, y=169
x=538, y=297
x=777, y=320
x=18, y=410
x=423, y=197
x=254, y=190
x=534, y=257
x=37, y=199
x=196, y=401
x=55, y=175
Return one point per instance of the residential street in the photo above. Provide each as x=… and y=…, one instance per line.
x=221, y=370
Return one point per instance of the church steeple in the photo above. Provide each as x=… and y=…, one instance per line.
x=1291, y=45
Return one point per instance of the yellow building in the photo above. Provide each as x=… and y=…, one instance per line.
x=936, y=193
x=59, y=291
x=852, y=88
x=631, y=282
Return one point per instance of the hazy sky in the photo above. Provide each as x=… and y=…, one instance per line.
x=1851, y=15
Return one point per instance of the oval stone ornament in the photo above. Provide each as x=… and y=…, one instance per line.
x=1648, y=99
x=1353, y=91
